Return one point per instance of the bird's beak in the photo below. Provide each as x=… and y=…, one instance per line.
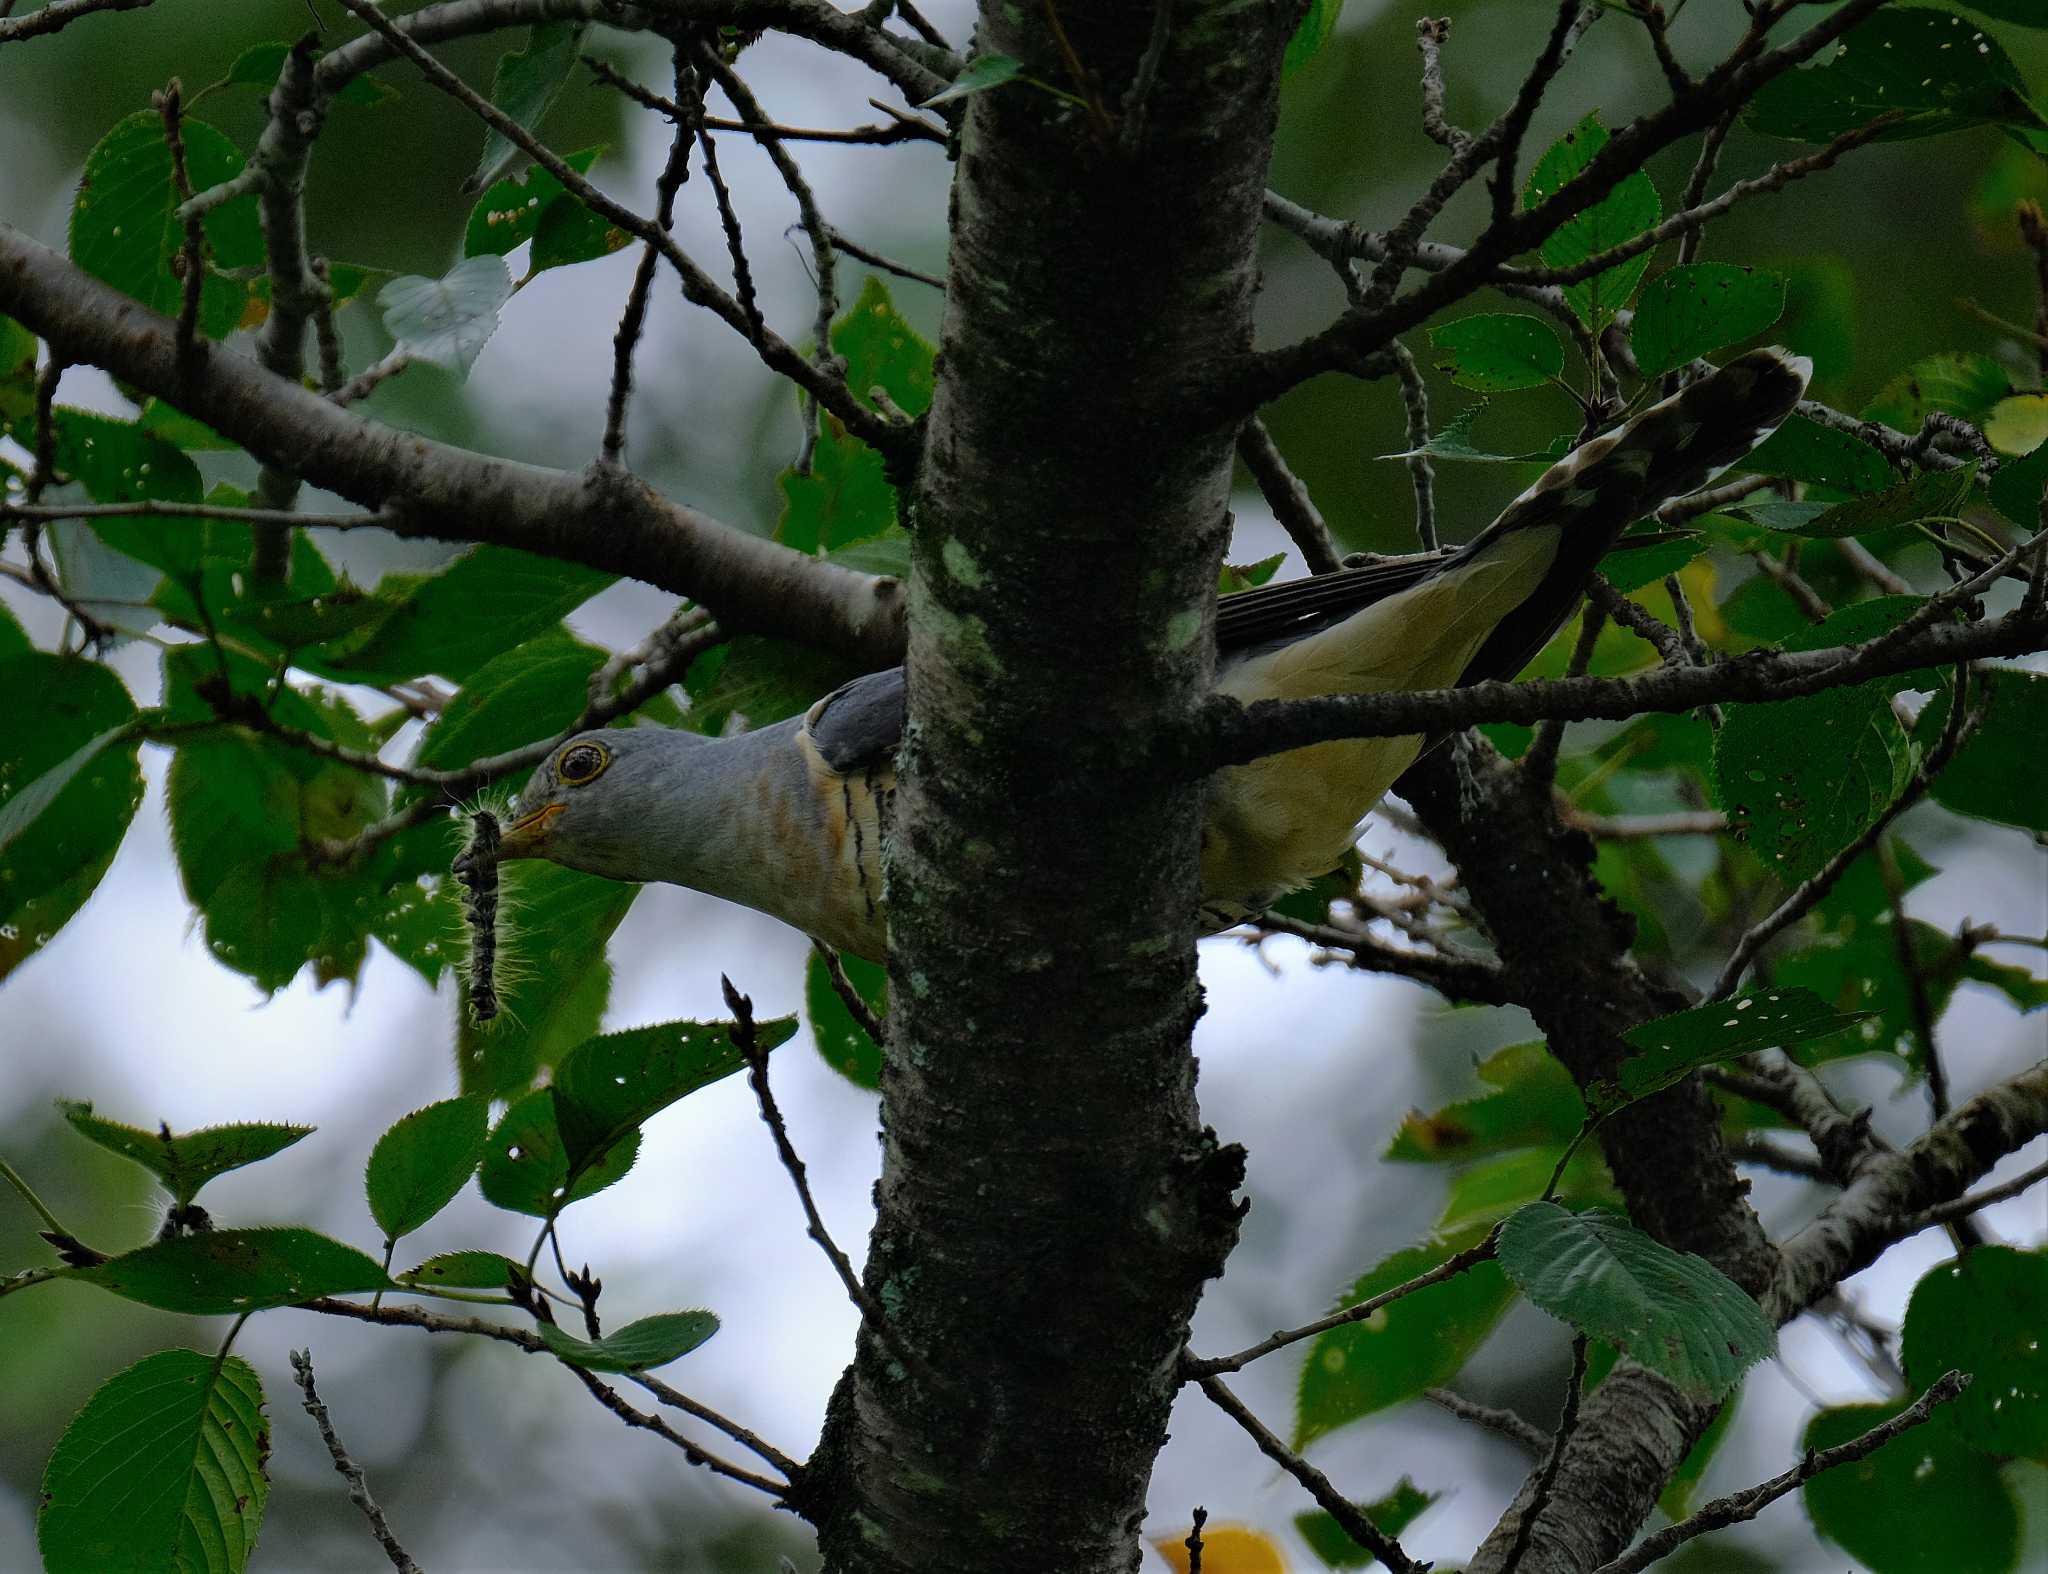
x=524, y=836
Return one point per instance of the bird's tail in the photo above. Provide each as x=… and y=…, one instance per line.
x=1594, y=493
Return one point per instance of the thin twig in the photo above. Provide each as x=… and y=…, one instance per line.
x=351, y=1472
x=59, y=13
x=1746, y=1505
x=1356, y=1523
x=1431, y=34
x=1920, y=1003
x=1415, y=401
x=1546, y=1479
x=1194, y=1540
x=1541, y=759
x=1504, y=1422
x=1643, y=827
x=191, y=263
x=1963, y=1207
x=1195, y=1368
x=874, y=259
x=842, y=986
x=1808, y=893
x=155, y=508
x=1785, y=575
x=1638, y=620
x=693, y=1452
x=1457, y=977
x=634, y=318
x=1287, y=497
x=1765, y=1154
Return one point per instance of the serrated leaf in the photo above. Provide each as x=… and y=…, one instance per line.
x=640, y=1346
x=1235, y=578
x=1701, y=306
x=1934, y=69
x=1671, y=1048
x=224, y=1273
x=164, y=1468
x=1393, y=1514
x=1672, y=1312
x=1535, y=1105
x=1625, y=212
x=1803, y=450
x=1955, y=382
x=553, y=977
x=69, y=779
x=1455, y=442
x=1412, y=1344
x=506, y=216
x=124, y=222
x=1996, y=774
x=1982, y=1314
x=1802, y=778
x=609, y=1085
x=527, y=83
x=447, y=321
x=465, y=1271
x=531, y=691
x=526, y=1170
x=1498, y=352
x=1925, y=1503
x=979, y=75
x=184, y=1161
x=450, y=623
x=260, y=65
x=842, y=1041
x=1935, y=494
x=419, y=1165
x=1629, y=568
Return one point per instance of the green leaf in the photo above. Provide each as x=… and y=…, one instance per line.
x=1629, y=568
x=1536, y=1105
x=1625, y=212
x=1497, y=352
x=847, y=497
x=1996, y=775
x=2026, y=13
x=1863, y=974
x=1485, y=1193
x=554, y=979
x=260, y=65
x=447, y=321
x=526, y=85
x=1932, y=494
x=69, y=781
x=164, y=1468
x=568, y=233
x=1311, y=903
x=1803, y=450
x=1414, y=1343
x=609, y=1085
x=1393, y=1514
x=1670, y=1048
x=531, y=691
x=1235, y=578
x=2017, y=489
x=1955, y=382
x=187, y=1160
x=1938, y=71
x=124, y=220
x=485, y=602
x=1700, y=306
x=1859, y=898
x=17, y=372
x=419, y=1165
x=981, y=73
x=2018, y=985
x=224, y=1273
x=1674, y=1313
x=507, y=215
x=526, y=1170
x=1803, y=778
x=1676, y=1499
x=1982, y=1314
x=640, y=1346
x=1925, y=1503
x=1455, y=442
x=842, y=1041
x=464, y=1271
x=759, y=681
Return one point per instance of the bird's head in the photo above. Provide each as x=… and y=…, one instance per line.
x=592, y=804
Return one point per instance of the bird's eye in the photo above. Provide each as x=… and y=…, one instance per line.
x=582, y=762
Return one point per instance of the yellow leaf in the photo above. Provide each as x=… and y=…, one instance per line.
x=2019, y=424
x=1226, y=1549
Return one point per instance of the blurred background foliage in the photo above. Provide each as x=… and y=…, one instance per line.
x=1880, y=253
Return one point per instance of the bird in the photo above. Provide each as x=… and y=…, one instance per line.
x=790, y=818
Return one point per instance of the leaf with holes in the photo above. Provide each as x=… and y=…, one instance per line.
x=1803, y=450
x=224, y=1273
x=1954, y=382
x=465, y=1271
x=640, y=1346
x=1935, y=494
x=1534, y=1105
x=419, y=1165
x=526, y=1170
x=1672, y=1312
x=1498, y=352
x=164, y=1468
x=184, y=1161
x=1670, y=1048
x=1925, y=1503
x=1996, y=775
x=1625, y=212
x=841, y=1040
x=1982, y=1314
x=1700, y=306
x=507, y=215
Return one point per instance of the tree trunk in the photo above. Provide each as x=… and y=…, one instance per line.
x=1050, y=1203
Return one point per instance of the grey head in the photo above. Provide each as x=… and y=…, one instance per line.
x=600, y=801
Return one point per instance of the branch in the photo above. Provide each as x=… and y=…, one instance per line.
x=1455, y=977
x=1505, y=1423
x=1546, y=1478
x=434, y=490
x=1288, y=498
x=1356, y=1523
x=1747, y=1504
x=849, y=997
x=1962, y=1207
x=58, y=14
x=351, y=1472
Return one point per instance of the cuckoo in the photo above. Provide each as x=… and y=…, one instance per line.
x=790, y=818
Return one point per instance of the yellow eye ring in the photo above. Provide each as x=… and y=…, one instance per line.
x=582, y=763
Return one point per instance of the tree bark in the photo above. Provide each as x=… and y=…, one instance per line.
x=1050, y=1204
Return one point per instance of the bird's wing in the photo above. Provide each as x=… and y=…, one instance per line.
x=859, y=723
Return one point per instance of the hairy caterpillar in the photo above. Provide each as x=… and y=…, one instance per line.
x=478, y=871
